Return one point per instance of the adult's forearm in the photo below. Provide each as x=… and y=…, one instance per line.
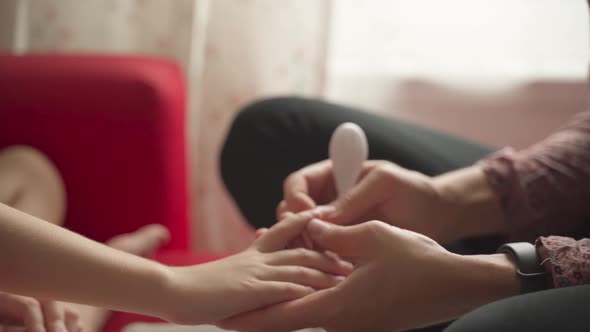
x=42, y=260
x=471, y=206
x=544, y=188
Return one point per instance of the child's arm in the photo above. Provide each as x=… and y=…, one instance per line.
x=44, y=261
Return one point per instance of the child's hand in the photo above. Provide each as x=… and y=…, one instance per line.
x=36, y=316
x=262, y=275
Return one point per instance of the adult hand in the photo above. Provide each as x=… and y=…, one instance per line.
x=444, y=208
x=262, y=275
x=22, y=313
x=384, y=191
x=401, y=280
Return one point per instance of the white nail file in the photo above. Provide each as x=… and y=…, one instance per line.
x=348, y=151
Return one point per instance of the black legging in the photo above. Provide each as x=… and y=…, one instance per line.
x=561, y=309
x=273, y=138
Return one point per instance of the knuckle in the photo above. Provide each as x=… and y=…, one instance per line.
x=303, y=254
x=289, y=181
x=373, y=228
x=383, y=169
x=301, y=272
x=346, y=200
x=257, y=274
x=31, y=304
x=385, y=173
x=72, y=314
x=281, y=207
x=249, y=283
x=291, y=290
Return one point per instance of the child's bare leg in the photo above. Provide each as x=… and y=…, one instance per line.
x=29, y=182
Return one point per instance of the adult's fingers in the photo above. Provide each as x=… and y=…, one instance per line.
x=373, y=189
x=353, y=242
x=282, y=233
x=295, y=195
x=309, y=186
x=296, y=202
x=281, y=210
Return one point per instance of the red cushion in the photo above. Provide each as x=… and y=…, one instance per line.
x=114, y=127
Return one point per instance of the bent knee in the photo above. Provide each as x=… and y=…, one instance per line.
x=269, y=113
x=35, y=184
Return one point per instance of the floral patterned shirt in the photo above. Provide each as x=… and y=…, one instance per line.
x=545, y=190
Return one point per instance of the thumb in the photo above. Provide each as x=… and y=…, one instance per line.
x=346, y=241
x=360, y=201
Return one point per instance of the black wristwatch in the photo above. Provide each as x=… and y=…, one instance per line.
x=532, y=274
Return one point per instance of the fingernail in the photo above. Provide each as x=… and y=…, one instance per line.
x=346, y=265
x=325, y=210
x=340, y=279
x=316, y=226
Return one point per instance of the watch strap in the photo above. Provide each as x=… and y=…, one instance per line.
x=532, y=274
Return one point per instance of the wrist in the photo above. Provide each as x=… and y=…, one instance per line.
x=471, y=206
x=187, y=297
x=463, y=283
x=481, y=279
x=161, y=296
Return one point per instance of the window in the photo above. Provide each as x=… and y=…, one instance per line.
x=500, y=42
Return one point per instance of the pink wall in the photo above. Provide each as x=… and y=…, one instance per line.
x=517, y=117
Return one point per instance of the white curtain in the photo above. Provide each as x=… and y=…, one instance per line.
x=478, y=68
x=419, y=59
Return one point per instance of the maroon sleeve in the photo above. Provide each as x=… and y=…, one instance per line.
x=544, y=189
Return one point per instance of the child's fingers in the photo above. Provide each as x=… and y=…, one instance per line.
x=281, y=210
x=282, y=233
x=311, y=259
x=303, y=276
x=296, y=243
x=260, y=232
